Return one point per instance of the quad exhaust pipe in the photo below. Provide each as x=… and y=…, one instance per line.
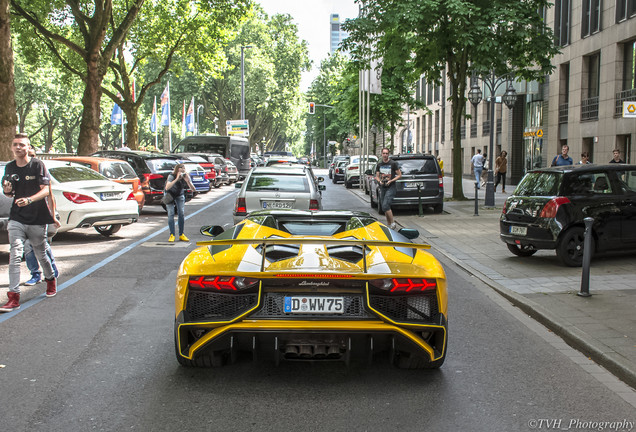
x=312, y=351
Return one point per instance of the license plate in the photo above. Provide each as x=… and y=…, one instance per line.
x=518, y=230
x=110, y=196
x=314, y=305
x=412, y=185
x=197, y=178
x=277, y=204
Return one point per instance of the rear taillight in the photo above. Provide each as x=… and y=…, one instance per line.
x=241, y=207
x=78, y=198
x=131, y=197
x=221, y=283
x=440, y=181
x=405, y=285
x=551, y=208
x=313, y=205
x=355, y=167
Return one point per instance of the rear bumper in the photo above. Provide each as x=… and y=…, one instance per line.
x=98, y=220
x=537, y=236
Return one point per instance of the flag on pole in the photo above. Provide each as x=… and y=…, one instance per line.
x=165, y=106
x=117, y=115
x=183, y=121
x=190, y=117
x=153, y=118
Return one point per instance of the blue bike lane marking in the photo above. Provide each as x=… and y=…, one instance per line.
x=23, y=306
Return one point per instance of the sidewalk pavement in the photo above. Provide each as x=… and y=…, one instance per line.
x=602, y=326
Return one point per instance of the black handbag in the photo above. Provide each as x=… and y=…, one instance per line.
x=167, y=198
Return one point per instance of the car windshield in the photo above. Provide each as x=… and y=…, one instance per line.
x=161, y=164
x=539, y=184
x=117, y=170
x=74, y=173
x=278, y=182
x=417, y=166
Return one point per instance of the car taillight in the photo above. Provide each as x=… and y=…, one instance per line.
x=551, y=208
x=78, y=198
x=355, y=167
x=313, y=205
x=225, y=168
x=405, y=285
x=210, y=175
x=131, y=197
x=441, y=181
x=221, y=283
x=241, y=207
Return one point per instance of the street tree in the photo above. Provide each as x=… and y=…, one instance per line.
x=8, y=118
x=459, y=37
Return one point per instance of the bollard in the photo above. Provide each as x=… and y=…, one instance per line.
x=587, y=257
x=476, y=199
x=419, y=199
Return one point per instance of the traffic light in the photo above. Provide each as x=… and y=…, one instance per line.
x=312, y=108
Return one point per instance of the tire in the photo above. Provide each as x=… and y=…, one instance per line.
x=347, y=184
x=107, y=230
x=570, y=247
x=519, y=251
x=373, y=203
x=438, y=208
x=335, y=181
x=330, y=174
x=406, y=360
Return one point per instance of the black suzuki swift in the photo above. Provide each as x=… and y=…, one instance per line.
x=547, y=209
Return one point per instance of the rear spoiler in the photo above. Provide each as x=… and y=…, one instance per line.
x=317, y=241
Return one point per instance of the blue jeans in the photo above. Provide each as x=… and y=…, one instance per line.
x=478, y=171
x=179, y=203
x=32, y=261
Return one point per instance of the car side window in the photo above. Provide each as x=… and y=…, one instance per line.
x=627, y=180
x=601, y=184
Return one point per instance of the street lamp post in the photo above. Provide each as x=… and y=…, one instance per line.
x=243, y=80
x=324, y=133
x=198, y=109
x=509, y=98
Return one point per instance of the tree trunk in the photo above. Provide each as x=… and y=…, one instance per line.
x=8, y=118
x=132, y=128
x=89, y=126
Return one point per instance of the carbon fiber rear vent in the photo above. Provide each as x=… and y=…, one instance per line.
x=351, y=253
x=275, y=253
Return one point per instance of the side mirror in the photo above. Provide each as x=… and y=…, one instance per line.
x=409, y=233
x=368, y=172
x=322, y=187
x=211, y=230
x=320, y=179
x=238, y=185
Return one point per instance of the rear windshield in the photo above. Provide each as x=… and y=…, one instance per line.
x=278, y=182
x=539, y=184
x=197, y=159
x=161, y=164
x=417, y=166
x=74, y=173
x=117, y=170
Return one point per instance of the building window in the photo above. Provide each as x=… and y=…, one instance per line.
x=629, y=65
x=561, y=22
x=591, y=21
x=625, y=9
x=589, y=103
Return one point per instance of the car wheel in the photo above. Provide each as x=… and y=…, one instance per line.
x=347, y=184
x=107, y=230
x=373, y=203
x=438, y=208
x=570, y=247
x=330, y=174
x=520, y=251
x=335, y=181
x=408, y=360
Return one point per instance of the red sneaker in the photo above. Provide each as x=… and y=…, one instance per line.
x=12, y=304
x=51, y=287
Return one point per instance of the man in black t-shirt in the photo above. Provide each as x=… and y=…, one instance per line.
x=387, y=172
x=27, y=181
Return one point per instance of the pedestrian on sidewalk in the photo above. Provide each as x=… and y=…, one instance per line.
x=617, y=157
x=27, y=181
x=51, y=229
x=387, y=172
x=478, y=165
x=585, y=158
x=563, y=158
x=501, y=168
x=176, y=184
x=484, y=171
x=440, y=162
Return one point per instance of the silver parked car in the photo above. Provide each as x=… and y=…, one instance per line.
x=278, y=188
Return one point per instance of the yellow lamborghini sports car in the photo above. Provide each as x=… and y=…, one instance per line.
x=311, y=286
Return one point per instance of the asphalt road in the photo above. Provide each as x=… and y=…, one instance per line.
x=100, y=356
